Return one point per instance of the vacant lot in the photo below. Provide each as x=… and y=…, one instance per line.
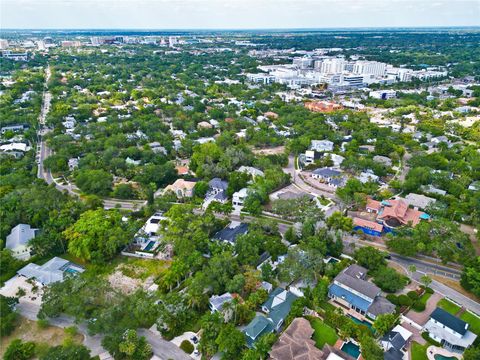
x=28, y=330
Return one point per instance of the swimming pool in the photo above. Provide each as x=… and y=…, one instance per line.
x=351, y=349
x=360, y=322
x=150, y=245
x=443, y=357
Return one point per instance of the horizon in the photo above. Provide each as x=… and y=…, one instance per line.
x=236, y=14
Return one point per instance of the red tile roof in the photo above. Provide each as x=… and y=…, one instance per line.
x=367, y=224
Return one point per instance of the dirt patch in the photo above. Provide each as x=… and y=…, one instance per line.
x=269, y=151
x=28, y=330
x=397, y=267
x=125, y=284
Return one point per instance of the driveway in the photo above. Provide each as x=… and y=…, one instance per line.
x=162, y=348
x=422, y=317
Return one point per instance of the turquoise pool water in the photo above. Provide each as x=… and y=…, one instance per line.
x=149, y=246
x=351, y=349
x=360, y=322
x=443, y=357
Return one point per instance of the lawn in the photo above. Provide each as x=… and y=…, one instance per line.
x=419, y=352
x=473, y=320
x=448, y=306
x=323, y=333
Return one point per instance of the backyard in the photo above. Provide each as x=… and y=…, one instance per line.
x=323, y=334
x=419, y=352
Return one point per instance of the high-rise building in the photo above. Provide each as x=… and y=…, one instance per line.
x=3, y=44
x=370, y=68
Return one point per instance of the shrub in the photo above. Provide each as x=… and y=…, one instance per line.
x=413, y=295
x=392, y=298
x=404, y=300
x=429, y=290
x=418, y=306
x=187, y=346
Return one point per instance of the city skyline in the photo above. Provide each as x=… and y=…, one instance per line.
x=237, y=15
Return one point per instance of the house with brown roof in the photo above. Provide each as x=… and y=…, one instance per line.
x=393, y=213
x=296, y=344
x=323, y=106
x=181, y=188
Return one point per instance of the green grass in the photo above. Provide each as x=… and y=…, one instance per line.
x=473, y=320
x=448, y=306
x=424, y=298
x=323, y=333
x=419, y=352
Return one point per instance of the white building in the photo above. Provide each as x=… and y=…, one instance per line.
x=383, y=94
x=18, y=241
x=238, y=198
x=321, y=145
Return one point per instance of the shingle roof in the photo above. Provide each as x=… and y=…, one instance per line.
x=231, y=232
x=217, y=183
x=394, y=338
x=381, y=306
x=363, y=287
x=449, y=321
x=327, y=172
x=218, y=301
x=258, y=326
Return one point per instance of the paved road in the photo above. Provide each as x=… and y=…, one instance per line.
x=162, y=348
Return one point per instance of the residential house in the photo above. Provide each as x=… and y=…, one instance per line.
x=18, y=241
x=474, y=186
x=430, y=189
x=72, y=163
x=296, y=343
x=322, y=106
x=419, y=201
x=395, y=342
x=394, y=213
x=351, y=289
x=238, y=198
x=204, y=125
x=452, y=332
x=147, y=238
x=181, y=188
x=52, y=271
x=367, y=176
x=230, y=233
x=277, y=308
x=386, y=161
x=217, y=302
x=253, y=172
x=368, y=227
x=217, y=191
x=157, y=148
x=329, y=176
x=271, y=115
x=321, y=145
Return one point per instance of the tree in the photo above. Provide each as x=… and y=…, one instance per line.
x=18, y=350
x=8, y=316
x=471, y=276
x=211, y=324
x=369, y=348
x=426, y=280
x=389, y=279
x=384, y=322
x=340, y=222
x=133, y=347
x=98, y=235
x=412, y=268
x=231, y=342
x=97, y=182
x=370, y=258
x=472, y=353
x=123, y=191
x=68, y=351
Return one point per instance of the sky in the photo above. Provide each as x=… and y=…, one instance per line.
x=235, y=14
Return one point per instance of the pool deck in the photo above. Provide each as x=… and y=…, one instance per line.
x=434, y=350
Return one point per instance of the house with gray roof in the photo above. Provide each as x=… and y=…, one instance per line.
x=230, y=233
x=329, y=176
x=18, y=241
x=52, y=271
x=394, y=343
x=216, y=302
x=453, y=333
x=351, y=289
